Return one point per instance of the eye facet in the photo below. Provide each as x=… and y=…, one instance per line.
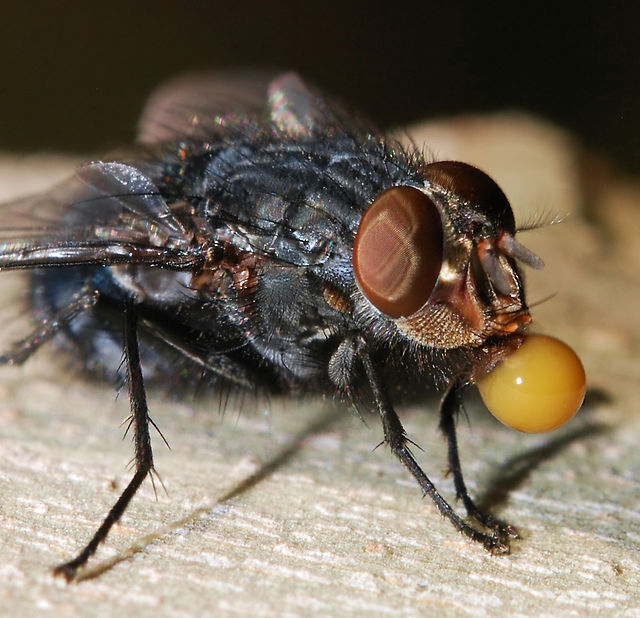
x=472, y=185
x=397, y=252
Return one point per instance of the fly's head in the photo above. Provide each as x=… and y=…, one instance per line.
x=440, y=260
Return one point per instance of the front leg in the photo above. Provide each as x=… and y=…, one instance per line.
x=396, y=438
x=142, y=441
x=450, y=405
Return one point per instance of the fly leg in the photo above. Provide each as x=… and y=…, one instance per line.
x=142, y=441
x=396, y=438
x=450, y=405
x=23, y=349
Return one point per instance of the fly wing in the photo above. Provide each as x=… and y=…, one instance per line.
x=109, y=212
x=202, y=105
x=300, y=111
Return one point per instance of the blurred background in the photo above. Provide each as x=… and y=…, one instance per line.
x=75, y=75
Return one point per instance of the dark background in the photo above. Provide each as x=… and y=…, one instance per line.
x=74, y=76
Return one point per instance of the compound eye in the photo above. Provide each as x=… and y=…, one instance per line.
x=469, y=184
x=397, y=252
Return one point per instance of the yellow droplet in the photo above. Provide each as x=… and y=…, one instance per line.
x=537, y=388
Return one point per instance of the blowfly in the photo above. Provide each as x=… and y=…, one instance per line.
x=260, y=237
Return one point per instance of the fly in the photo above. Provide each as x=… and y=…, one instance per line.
x=263, y=238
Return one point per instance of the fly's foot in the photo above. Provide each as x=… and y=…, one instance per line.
x=501, y=529
x=499, y=541
x=496, y=546
x=67, y=570
x=506, y=531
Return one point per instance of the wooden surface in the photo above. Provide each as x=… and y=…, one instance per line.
x=286, y=510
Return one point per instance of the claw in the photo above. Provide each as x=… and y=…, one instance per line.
x=497, y=547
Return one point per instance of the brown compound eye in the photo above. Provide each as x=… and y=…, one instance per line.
x=397, y=252
x=470, y=184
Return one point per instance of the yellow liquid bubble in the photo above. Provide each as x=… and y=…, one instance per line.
x=537, y=388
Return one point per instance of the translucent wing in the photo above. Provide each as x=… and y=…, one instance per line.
x=202, y=105
x=301, y=111
x=108, y=212
x=198, y=104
